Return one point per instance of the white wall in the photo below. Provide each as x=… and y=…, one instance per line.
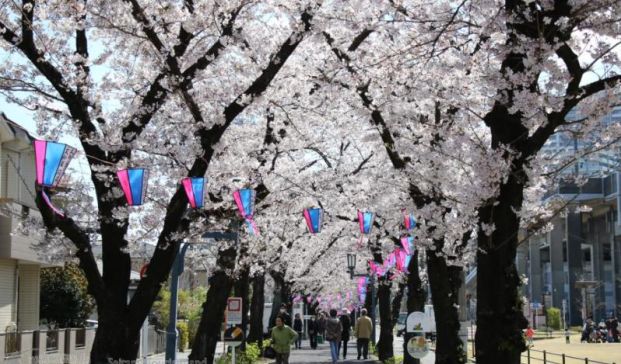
x=29, y=300
x=7, y=292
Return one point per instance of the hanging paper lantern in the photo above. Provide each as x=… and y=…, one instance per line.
x=407, y=242
x=408, y=258
x=365, y=220
x=195, y=191
x=51, y=160
x=400, y=259
x=309, y=299
x=409, y=221
x=134, y=184
x=314, y=218
x=244, y=199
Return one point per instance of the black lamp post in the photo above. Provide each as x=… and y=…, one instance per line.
x=351, y=265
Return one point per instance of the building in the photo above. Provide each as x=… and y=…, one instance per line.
x=20, y=264
x=579, y=261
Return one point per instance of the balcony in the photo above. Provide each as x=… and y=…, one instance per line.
x=13, y=244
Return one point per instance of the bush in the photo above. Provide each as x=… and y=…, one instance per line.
x=182, y=326
x=251, y=355
x=65, y=301
x=554, y=318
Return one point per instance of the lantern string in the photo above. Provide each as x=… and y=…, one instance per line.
x=47, y=200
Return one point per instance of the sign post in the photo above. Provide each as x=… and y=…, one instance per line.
x=234, y=311
x=416, y=325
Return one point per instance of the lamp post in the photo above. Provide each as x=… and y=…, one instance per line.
x=177, y=269
x=351, y=265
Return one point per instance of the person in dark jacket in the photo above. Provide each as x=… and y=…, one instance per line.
x=298, y=326
x=284, y=314
x=312, y=332
x=334, y=332
x=346, y=324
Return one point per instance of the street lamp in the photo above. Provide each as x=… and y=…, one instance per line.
x=351, y=265
x=177, y=269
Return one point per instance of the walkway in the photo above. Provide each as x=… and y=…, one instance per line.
x=322, y=354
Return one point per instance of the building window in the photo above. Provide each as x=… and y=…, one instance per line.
x=564, y=250
x=607, y=252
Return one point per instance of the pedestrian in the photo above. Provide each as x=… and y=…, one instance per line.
x=566, y=336
x=362, y=332
x=298, y=326
x=346, y=324
x=615, y=329
x=284, y=314
x=529, y=336
x=334, y=330
x=312, y=332
x=282, y=338
x=321, y=327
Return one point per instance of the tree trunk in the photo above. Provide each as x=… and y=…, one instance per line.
x=445, y=282
x=277, y=297
x=415, y=298
x=499, y=308
x=384, y=345
x=396, y=304
x=256, y=309
x=220, y=285
x=113, y=341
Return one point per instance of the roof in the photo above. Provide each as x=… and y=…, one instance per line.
x=18, y=131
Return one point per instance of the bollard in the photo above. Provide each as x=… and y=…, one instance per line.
x=586, y=360
x=563, y=358
x=544, y=357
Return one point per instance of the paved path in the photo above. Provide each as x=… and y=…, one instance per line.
x=322, y=354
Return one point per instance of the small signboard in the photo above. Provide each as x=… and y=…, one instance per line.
x=417, y=347
x=418, y=322
x=234, y=311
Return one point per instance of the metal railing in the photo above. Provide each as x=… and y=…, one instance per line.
x=532, y=356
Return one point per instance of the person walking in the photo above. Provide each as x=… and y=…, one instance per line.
x=312, y=332
x=321, y=327
x=346, y=324
x=298, y=326
x=334, y=330
x=362, y=332
x=529, y=336
x=282, y=338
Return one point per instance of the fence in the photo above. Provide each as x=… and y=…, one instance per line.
x=532, y=356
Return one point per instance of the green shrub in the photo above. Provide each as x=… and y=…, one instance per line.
x=182, y=326
x=251, y=355
x=554, y=318
x=395, y=360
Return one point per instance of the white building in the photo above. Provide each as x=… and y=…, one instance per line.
x=19, y=263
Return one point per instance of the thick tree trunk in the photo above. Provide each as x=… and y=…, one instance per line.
x=396, y=304
x=499, y=308
x=384, y=345
x=445, y=282
x=277, y=297
x=256, y=309
x=416, y=297
x=113, y=341
x=220, y=285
